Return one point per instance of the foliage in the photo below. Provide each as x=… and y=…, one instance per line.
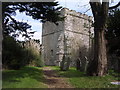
x=113, y=25
x=15, y=56
x=113, y=31
x=12, y=53
x=113, y=38
x=27, y=77
x=81, y=80
x=33, y=58
x=43, y=11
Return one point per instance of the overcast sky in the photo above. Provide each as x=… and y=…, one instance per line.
x=77, y=5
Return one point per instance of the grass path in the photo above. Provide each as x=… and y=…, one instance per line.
x=53, y=80
x=27, y=77
x=52, y=77
x=34, y=77
x=80, y=80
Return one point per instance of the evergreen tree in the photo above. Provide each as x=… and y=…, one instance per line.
x=42, y=11
x=13, y=55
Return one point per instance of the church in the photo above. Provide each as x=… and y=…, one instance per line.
x=72, y=37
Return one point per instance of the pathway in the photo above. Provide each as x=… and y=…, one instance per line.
x=52, y=80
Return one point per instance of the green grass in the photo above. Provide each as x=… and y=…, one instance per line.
x=27, y=77
x=80, y=80
x=32, y=77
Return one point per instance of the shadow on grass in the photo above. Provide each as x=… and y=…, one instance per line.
x=114, y=74
x=26, y=72
x=72, y=72
x=81, y=80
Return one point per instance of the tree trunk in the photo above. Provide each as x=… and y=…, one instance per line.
x=98, y=66
x=1, y=37
x=68, y=63
x=78, y=64
x=100, y=44
x=62, y=64
x=65, y=63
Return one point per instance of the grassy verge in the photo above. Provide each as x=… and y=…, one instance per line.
x=27, y=77
x=80, y=80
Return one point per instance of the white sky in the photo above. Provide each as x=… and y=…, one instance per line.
x=77, y=5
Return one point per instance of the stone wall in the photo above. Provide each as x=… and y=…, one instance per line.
x=50, y=36
x=70, y=37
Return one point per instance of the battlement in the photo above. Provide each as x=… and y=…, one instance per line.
x=66, y=11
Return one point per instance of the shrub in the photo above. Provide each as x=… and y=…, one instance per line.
x=15, y=56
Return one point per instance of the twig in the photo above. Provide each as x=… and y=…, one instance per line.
x=117, y=5
x=87, y=10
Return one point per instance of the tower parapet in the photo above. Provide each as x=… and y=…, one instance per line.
x=76, y=14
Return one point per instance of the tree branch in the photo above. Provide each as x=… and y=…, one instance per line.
x=115, y=6
x=96, y=7
x=87, y=10
x=105, y=6
x=13, y=21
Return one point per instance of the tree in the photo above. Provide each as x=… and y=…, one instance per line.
x=12, y=54
x=113, y=30
x=113, y=39
x=43, y=11
x=15, y=57
x=65, y=63
x=98, y=66
x=23, y=53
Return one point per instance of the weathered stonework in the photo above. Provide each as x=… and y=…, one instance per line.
x=70, y=37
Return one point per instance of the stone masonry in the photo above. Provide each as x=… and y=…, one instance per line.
x=71, y=37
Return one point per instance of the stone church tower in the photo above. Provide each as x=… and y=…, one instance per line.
x=71, y=37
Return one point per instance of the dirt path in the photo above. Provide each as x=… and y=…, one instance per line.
x=53, y=80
